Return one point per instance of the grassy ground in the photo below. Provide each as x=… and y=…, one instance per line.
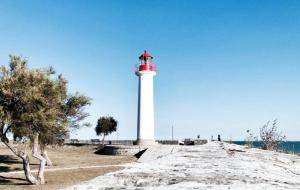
x=63, y=157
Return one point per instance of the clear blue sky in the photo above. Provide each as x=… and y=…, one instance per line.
x=224, y=66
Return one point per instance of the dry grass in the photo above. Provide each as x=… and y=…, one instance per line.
x=68, y=156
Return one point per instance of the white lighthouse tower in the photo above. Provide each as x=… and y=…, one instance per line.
x=145, y=70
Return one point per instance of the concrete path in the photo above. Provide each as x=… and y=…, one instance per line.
x=211, y=166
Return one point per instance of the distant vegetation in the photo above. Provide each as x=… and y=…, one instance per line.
x=35, y=107
x=105, y=126
x=250, y=139
x=270, y=138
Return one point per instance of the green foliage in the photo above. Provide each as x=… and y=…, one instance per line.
x=35, y=101
x=106, y=125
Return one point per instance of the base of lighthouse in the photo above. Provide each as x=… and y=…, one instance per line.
x=146, y=142
x=145, y=123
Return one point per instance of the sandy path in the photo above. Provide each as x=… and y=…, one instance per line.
x=210, y=166
x=64, y=168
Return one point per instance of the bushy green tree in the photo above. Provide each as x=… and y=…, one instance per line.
x=105, y=126
x=34, y=104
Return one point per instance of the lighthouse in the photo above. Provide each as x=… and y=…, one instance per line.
x=145, y=70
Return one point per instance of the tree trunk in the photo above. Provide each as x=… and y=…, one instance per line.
x=45, y=155
x=26, y=164
x=103, y=140
x=27, y=171
x=38, y=156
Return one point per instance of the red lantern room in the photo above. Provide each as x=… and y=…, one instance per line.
x=146, y=63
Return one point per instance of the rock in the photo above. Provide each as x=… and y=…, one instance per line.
x=208, y=166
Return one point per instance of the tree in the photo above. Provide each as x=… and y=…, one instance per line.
x=35, y=105
x=270, y=137
x=105, y=126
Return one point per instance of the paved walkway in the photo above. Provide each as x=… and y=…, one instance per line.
x=211, y=166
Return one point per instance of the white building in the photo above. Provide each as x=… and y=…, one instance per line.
x=145, y=123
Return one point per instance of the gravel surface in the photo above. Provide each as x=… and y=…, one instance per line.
x=214, y=165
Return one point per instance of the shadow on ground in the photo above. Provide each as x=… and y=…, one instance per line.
x=12, y=181
x=139, y=154
x=6, y=161
x=9, y=159
x=10, y=163
x=5, y=169
x=100, y=150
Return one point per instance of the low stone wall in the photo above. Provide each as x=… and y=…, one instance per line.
x=200, y=142
x=170, y=142
x=120, y=142
x=97, y=141
x=122, y=150
x=194, y=142
x=132, y=142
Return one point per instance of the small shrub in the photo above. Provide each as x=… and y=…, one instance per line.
x=250, y=139
x=271, y=138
